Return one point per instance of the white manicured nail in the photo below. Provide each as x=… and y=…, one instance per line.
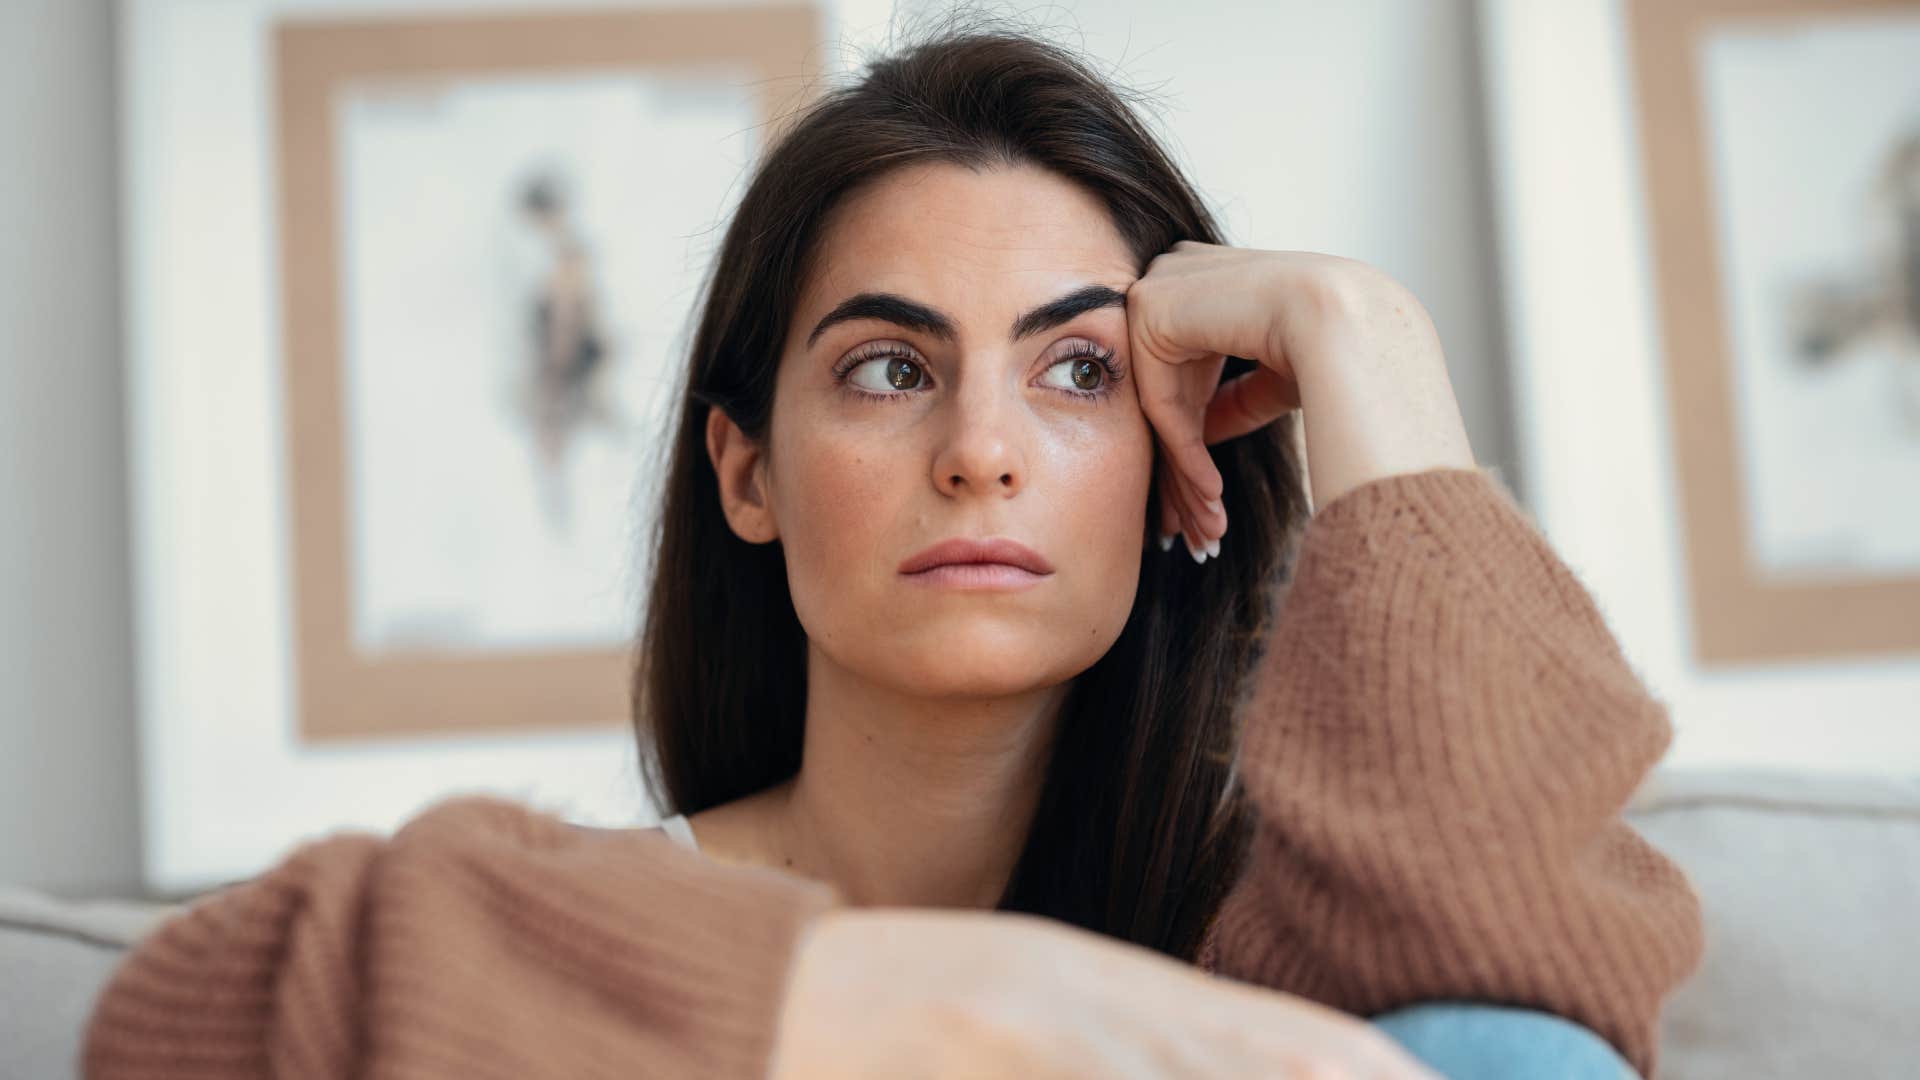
x=1199, y=556
x=1166, y=542
x=1213, y=548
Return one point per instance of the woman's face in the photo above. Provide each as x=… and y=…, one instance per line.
x=986, y=415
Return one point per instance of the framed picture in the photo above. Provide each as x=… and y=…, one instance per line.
x=1700, y=237
x=1781, y=148
x=409, y=289
x=483, y=224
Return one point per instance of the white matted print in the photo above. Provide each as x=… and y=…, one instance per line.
x=1814, y=132
x=517, y=275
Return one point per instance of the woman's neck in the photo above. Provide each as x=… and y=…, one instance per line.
x=902, y=801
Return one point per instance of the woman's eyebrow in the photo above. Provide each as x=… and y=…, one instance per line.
x=914, y=315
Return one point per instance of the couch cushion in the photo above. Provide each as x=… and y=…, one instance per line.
x=1810, y=885
x=55, y=956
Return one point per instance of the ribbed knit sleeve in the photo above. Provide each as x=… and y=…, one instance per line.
x=484, y=939
x=1440, y=746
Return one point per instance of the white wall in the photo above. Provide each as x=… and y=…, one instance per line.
x=68, y=798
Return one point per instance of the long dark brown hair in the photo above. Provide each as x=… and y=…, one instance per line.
x=1141, y=827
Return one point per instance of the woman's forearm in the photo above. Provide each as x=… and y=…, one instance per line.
x=1375, y=395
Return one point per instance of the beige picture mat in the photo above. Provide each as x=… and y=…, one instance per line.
x=1739, y=616
x=344, y=694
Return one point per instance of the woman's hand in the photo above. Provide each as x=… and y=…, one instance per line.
x=884, y=992
x=1335, y=338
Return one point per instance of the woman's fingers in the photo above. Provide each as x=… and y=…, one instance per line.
x=1170, y=523
x=1181, y=438
x=1249, y=402
x=1177, y=497
x=1175, y=518
x=1184, y=513
x=1205, y=525
x=1240, y=405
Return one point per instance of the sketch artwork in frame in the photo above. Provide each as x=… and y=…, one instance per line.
x=350, y=227
x=1781, y=153
x=484, y=223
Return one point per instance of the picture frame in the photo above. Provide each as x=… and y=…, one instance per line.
x=267, y=714
x=427, y=84
x=1606, y=433
x=1795, y=548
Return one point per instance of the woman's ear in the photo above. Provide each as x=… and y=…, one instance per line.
x=741, y=468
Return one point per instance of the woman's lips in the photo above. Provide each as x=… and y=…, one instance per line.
x=991, y=563
x=993, y=577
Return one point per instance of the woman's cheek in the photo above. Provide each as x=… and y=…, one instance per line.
x=833, y=499
x=1112, y=467
x=1099, y=486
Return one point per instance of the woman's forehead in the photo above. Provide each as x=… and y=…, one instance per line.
x=941, y=208
x=975, y=243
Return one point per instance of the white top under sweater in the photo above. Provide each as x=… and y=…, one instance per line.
x=681, y=830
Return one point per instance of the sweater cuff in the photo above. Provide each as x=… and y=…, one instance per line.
x=736, y=932
x=1470, y=524
x=748, y=973
x=690, y=955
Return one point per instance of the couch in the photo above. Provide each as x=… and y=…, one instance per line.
x=1810, y=882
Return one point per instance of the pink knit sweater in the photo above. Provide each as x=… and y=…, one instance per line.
x=1442, y=741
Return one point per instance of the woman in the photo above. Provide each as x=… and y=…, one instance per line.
x=973, y=776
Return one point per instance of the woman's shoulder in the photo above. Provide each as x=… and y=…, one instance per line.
x=499, y=830
x=743, y=831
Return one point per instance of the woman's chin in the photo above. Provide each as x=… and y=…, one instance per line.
x=984, y=662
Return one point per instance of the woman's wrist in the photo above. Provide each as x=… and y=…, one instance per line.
x=1376, y=398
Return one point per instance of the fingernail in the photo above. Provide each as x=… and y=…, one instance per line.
x=1199, y=556
x=1215, y=506
x=1213, y=548
x=1166, y=542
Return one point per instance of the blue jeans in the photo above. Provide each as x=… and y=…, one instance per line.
x=1477, y=1040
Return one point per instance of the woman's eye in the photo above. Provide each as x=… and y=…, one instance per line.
x=1083, y=373
x=893, y=373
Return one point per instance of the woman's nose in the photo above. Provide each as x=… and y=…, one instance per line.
x=981, y=447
